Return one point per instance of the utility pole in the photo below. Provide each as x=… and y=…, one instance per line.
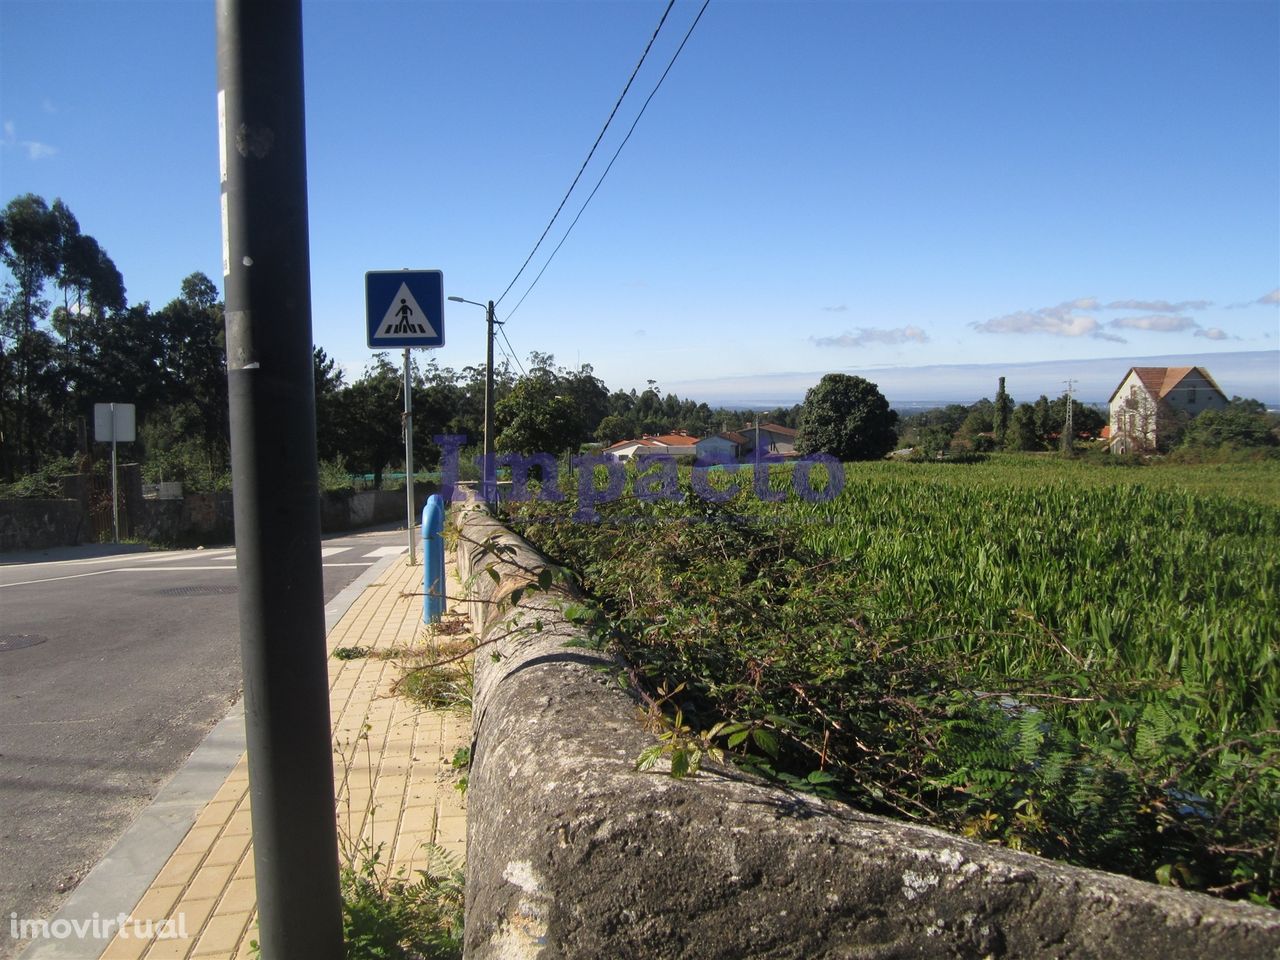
x=1068, y=429
x=266, y=271
x=489, y=484
x=490, y=468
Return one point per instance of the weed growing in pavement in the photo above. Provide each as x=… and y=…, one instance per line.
x=461, y=762
x=350, y=653
x=388, y=914
x=439, y=687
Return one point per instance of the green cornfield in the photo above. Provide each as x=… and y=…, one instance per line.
x=1067, y=658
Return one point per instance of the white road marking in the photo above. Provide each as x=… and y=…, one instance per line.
x=98, y=573
x=172, y=560
x=194, y=555
x=138, y=557
x=387, y=551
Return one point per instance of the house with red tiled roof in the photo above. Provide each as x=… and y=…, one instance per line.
x=626, y=449
x=666, y=444
x=1150, y=405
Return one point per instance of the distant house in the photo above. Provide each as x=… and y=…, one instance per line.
x=626, y=449
x=721, y=448
x=667, y=444
x=1151, y=403
x=772, y=440
x=678, y=444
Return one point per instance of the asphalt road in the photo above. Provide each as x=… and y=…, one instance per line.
x=135, y=658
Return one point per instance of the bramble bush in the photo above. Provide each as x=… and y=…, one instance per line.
x=1030, y=664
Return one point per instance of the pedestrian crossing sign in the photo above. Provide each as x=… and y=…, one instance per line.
x=404, y=308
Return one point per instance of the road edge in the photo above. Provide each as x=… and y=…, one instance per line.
x=118, y=881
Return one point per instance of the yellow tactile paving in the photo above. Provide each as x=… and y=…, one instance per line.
x=393, y=781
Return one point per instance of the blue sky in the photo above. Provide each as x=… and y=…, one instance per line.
x=817, y=186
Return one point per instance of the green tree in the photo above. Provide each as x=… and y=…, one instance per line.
x=980, y=418
x=846, y=417
x=43, y=379
x=192, y=332
x=1001, y=412
x=327, y=377
x=31, y=386
x=1044, y=422
x=30, y=246
x=1242, y=423
x=1021, y=434
x=371, y=410
x=535, y=418
x=614, y=428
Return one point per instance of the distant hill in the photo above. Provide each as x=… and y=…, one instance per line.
x=1249, y=373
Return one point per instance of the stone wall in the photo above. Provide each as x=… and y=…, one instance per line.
x=349, y=511
x=196, y=518
x=572, y=853
x=39, y=524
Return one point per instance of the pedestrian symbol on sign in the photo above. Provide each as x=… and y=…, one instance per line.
x=404, y=325
x=405, y=318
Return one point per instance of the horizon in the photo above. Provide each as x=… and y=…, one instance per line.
x=1249, y=374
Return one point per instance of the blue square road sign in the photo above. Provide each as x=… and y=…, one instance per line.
x=404, y=308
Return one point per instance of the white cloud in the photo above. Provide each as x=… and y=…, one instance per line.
x=840, y=309
x=1159, y=306
x=868, y=335
x=37, y=150
x=1059, y=321
x=1081, y=303
x=1213, y=333
x=34, y=148
x=1270, y=298
x=48, y=106
x=1161, y=322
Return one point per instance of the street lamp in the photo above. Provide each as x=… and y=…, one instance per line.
x=488, y=485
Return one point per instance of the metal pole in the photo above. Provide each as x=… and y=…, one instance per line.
x=115, y=493
x=408, y=456
x=490, y=473
x=433, y=559
x=273, y=455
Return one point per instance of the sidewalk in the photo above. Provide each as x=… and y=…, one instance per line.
x=394, y=787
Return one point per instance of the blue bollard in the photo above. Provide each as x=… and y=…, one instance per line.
x=433, y=559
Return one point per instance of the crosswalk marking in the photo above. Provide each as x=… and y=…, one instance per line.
x=387, y=551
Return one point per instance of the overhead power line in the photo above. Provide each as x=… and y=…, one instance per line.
x=656, y=87
x=514, y=355
x=591, y=152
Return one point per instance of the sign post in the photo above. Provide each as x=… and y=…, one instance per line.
x=114, y=422
x=408, y=451
x=405, y=308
